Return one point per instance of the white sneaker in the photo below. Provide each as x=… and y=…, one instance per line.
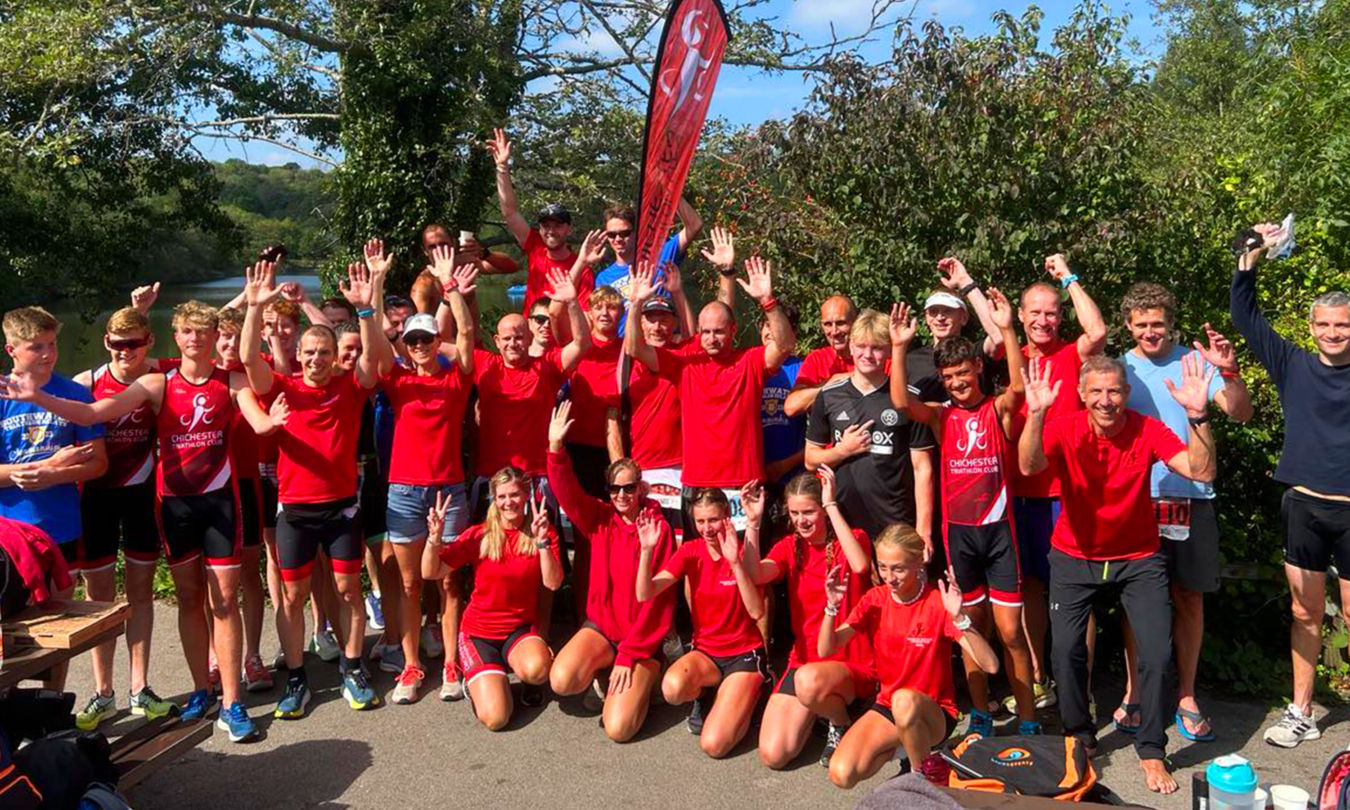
x=324, y=644
x=432, y=644
x=451, y=687
x=1292, y=728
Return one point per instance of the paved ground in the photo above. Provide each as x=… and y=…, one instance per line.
x=432, y=753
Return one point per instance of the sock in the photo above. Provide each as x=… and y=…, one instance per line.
x=346, y=665
x=298, y=677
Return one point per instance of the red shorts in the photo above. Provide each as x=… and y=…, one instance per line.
x=479, y=656
x=865, y=684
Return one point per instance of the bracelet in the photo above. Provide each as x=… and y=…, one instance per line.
x=1067, y=280
x=542, y=545
x=365, y=313
x=768, y=306
x=831, y=610
x=969, y=288
x=1197, y=421
x=727, y=272
x=962, y=622
x=1235, y=374
x=828, y=504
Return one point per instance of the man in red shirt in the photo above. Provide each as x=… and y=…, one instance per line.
x=721, y=388
x=836, y=319
x=1105, y=541
x=545, y=247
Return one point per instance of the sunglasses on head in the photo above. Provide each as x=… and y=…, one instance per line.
x=418, y=339
x=128, y=344
x=625, y=489
x=539, y=319
x=624, y=234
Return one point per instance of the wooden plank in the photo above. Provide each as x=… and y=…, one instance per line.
x=142, y=755
x=64, y=623
x=33, y=662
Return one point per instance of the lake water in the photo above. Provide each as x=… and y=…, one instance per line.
x=81, y=342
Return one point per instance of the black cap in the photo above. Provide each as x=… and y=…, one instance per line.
x=556, y=212
x=658, y=304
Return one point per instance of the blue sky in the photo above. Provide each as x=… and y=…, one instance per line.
x=747, y=96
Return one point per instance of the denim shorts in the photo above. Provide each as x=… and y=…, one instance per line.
x=406, y=514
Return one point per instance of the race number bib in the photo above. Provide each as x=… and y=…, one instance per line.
x=663, y=486
x=737, y=508
x=1174, y=517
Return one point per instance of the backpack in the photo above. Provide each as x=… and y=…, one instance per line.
x=101, y=796
x=1050, y=766
x=1334, y=791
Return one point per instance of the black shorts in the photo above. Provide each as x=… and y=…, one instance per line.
x=757, y=660
x=590, y=625
x=201, y=525
x=864, y=684
x=885, y=711
x=985, y=561
x=374, y=500
x=268, y=483
x=1316, y=531
x=250, y=511
x=479, y=656
x=113, y=515
x=1192, y=555
x=303, y=528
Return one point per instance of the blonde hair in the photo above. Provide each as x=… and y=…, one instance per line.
x=901, y=536
x=126, y=320
x=710, y=496
x=605, y=296
x=26, y=323
x=493, y=545
x=230, y=319
x=196, y=315
x=616, y=467
x=871, y=328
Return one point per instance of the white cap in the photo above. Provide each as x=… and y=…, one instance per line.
x=944, y=299
x=421, y=322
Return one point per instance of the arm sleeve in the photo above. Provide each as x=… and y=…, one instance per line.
x=863, y=617
x=654, y=616
x=781, y=554
x=920, y=436
x=812, y=371
x=675, y=564
x=1272, y=350
x=582, y=509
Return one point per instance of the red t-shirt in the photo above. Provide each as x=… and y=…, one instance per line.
x=595, y=388
x=1065, y=364
x=538, y=264
x=1106, y=512
x=822, y=364
x=514, y=408
x=806, y=596
x=428, y=425
x=655, y=421
x=506, y=591
x=244, y=443
x=317, y=446
x=913, y=644
x=722, y=625
x=720, y=401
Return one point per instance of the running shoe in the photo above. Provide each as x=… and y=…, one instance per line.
x=695, y=720
x=833, y=736
x=200, y=704
x=324, y=644
x=356, y=689
x=390, y=658
x=374, y=611
x=293, y=701
x=236, y=722
x=451, y=688
x=593, y=699
x=1029, y=728
x=407, y=686
x=531, y=695
x=95, y=711
x=147, y=704
x=433, y=644
x=981, y=723
x=1292, y=728
x=935, y=769
x=257, y=678
x=1044, y=694
x=213, y=673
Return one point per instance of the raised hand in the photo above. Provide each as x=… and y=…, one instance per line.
x=672, y=281
x=1219, y=353
x=835, y=587
x=752, y=500
x=648, y=530
x=144, y=297
x=1040, y=394
x=561, y=422
x=436, y=517
x=500, y=147
x=292, y=291
x=260, y=284
x=760, y=274
x=826, y=476
x=357, y=287
x=443, y=265
x=466, y=278
x=952, y=600
x=953, y=272
x=643, y=285
x=378, y=260
x=723, y=254
x=539, y=525
x=469, y=252
x=903, y=326
x=1057, y=266
x=593, y=248
x=1000, y=309
x=1193, y=393
x=728, y=543
x=563, y=289
x=280, y=411
x=856, y=438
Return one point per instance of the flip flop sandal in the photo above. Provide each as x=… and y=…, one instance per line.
x=1196, y=718
x=1126, y=727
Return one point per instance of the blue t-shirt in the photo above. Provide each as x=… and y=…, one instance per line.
x=618, y=277
x=29, y=433
x=1149, y=396
x=783, y=435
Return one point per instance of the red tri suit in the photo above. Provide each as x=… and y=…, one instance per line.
x=913, y=644
x=194, y=434
x=130, y=439
x=975, y=458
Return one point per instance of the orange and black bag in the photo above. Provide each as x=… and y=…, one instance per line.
x=1043, y=765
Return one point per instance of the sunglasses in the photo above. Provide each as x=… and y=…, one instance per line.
x=539, y=319
x=624, y=489
x=624, y=234
x=128, y=345
x=418, y=339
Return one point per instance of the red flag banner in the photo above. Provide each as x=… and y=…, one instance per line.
x=687, y=62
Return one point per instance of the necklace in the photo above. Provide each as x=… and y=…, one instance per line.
x=923, y=580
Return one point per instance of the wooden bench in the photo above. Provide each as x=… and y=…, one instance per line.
x=140, y=753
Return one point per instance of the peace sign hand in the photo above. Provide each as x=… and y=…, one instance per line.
x=539, y=525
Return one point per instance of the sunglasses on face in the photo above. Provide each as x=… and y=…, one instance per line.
x=623, y=489
x=539, y=319
x=418, y=339
x=128, y=345
x=624, y=234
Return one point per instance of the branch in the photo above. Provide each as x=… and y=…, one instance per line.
x=268, y=118
x=618, y=40
x=284, y=28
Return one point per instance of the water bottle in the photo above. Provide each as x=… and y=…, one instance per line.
x=1232, y=784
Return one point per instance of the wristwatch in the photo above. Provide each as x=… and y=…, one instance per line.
x=962, y=622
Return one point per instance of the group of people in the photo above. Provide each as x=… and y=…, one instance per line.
x=895, y=501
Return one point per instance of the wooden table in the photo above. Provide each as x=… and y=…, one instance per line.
x=23, y=662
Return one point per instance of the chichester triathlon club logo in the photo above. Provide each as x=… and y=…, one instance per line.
x=201, y=413
x=975, y=438
x=1015, y=757
x=693, y=71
